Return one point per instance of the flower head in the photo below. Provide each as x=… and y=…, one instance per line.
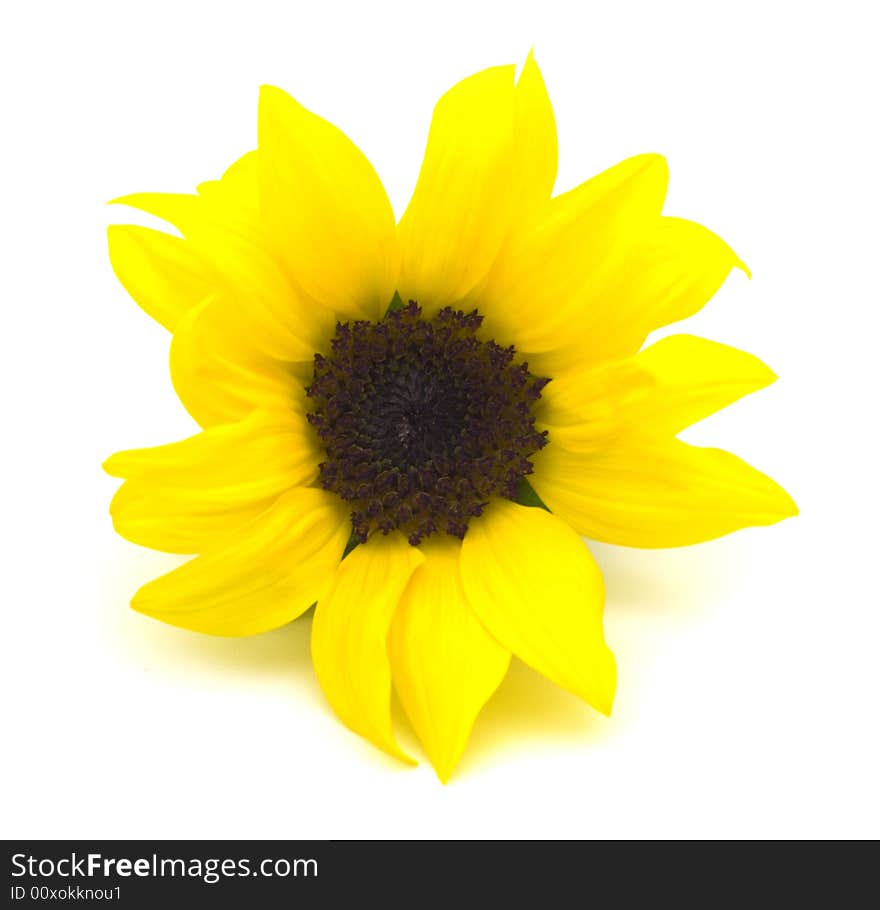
x=412, y=425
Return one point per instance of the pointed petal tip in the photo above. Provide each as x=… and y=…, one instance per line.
x=790, y=509
x=606, y=706
x=138, y=606
x=272, y=95
x=122, y=200
x=384, y=740
x=270, y=98
x=443, y=774
x=779, y=503
x=660, y=162
x=111, y=465
x=444, y=765
x=651, y=158
x=445, y=759
x=138, y=201
x=652, y=162
x=391, y=748
x=603, y=700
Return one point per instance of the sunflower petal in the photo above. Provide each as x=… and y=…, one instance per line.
x=223, y=232
x=534, y=585
x=153, y=517
x=584, y=410
x=182, y=210
x=232, y=201
x=693, y=378
x=663, y=389
x=349, y=634
x=553, y=271
x=274, y=570
x=220, y=369
x=461, y=207
x=444, y=664
x=327, y=209
x=161, y=272
x=186, y=496
x=237, y=192
x=536, y=153
x=671, y=271
x=651, y=493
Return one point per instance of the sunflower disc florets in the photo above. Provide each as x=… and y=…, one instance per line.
x=422, y=422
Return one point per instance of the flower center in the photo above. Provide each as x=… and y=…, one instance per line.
x=422, y=422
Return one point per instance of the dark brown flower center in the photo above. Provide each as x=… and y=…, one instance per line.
x=422, y=422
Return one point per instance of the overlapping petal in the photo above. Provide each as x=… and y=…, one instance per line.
x=220, y=369
x=326, y=208
x=534, y=585
x=350, y=631
x=669, y=386
x=163, y=274
x=231, y=201
x=462, y=205
x=664, y=273
x=692, y=378
x=269, y=573
x=555, y=269
x=187, y=496
x=655, y=493
x=445, y=665
x=224, y=233
x=613, y=469
x=535, y=156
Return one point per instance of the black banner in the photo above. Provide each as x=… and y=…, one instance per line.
x=271, y=873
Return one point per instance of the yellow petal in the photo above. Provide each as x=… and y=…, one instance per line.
x=182, y=210
x=663, y=389
x=237, y=192
x=223, y=232
x=221, y=370
x=186, y=496
x=534, y=585
x=444, y=664
x=223, y=226
x=693, y=378
x=535, y=155
x=264, y=577
x=462, y=205
x=156, y=518
x=349, y=634
x=584, y=410
x=231, y=201
x=327, y=209
x=671, y=271
x=162, y=273
x=555, y=270
x=651, y=493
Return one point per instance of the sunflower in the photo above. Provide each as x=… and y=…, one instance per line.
x=412, y=425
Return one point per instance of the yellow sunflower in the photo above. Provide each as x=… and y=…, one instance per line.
x=373, y=396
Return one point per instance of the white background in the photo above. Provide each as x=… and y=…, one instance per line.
x=749, y=681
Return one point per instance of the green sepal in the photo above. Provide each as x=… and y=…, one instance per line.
x=526, y=496
x=352, y=543
x=396, y=303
